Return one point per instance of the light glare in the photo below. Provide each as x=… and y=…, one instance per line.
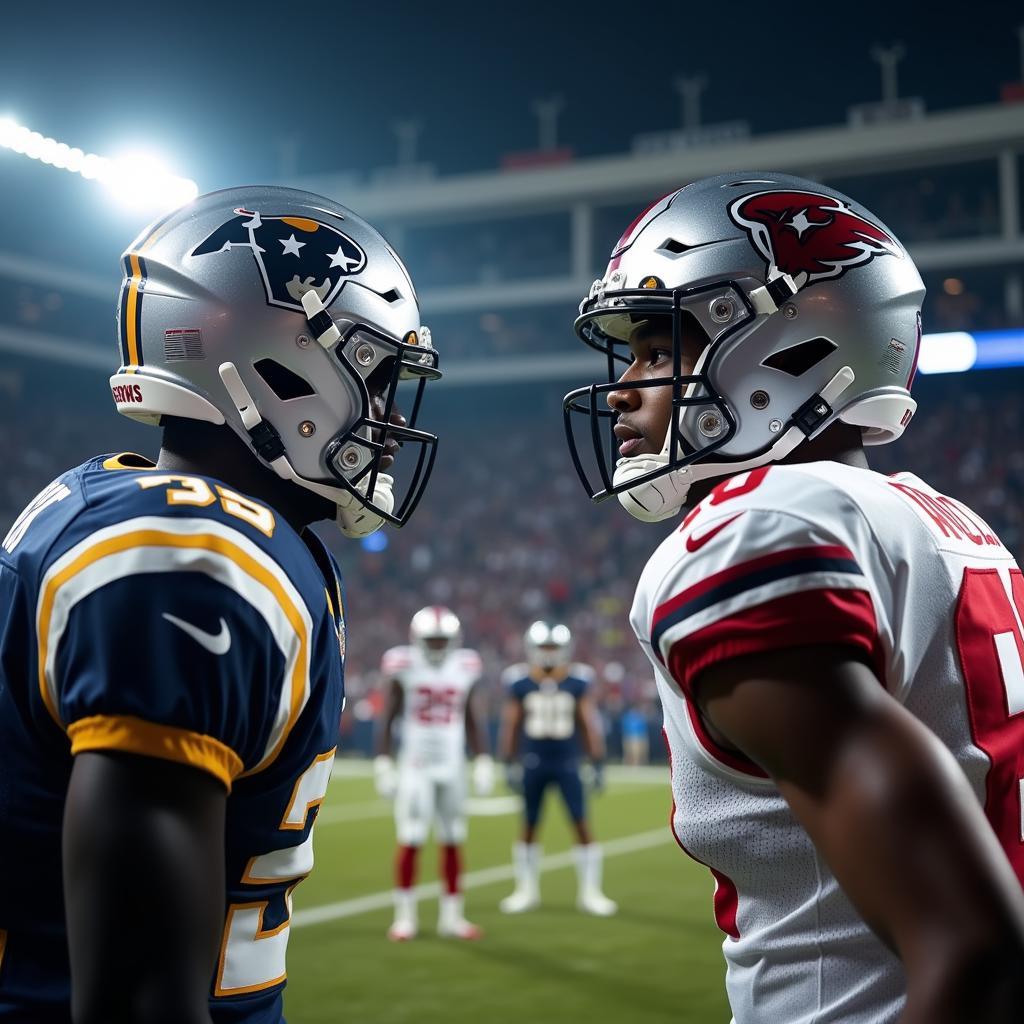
x=138, y=180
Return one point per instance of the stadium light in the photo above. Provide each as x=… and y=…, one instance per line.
x=137, y=180
x=948, y=352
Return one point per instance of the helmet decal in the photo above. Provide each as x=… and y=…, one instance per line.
x=808, y=235
x=294, y=255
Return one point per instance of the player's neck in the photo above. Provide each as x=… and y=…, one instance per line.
x=200, y=448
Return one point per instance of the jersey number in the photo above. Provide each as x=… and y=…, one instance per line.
x=194, y=490
x=252, y=958
x=549, y=715
x=437, y=707
x=991, y=647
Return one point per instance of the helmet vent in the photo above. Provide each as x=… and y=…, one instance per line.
x=282, y=381
x=798, y=359
x=674, y=246
x=392, y=295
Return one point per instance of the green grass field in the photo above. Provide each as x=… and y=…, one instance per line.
x=658, y=960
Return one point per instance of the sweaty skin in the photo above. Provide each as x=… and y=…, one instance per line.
x=882, y=799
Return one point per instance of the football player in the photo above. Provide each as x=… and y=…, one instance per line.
x=550, y=704
x=432, y=689
x=172, y=636
x=838, y=653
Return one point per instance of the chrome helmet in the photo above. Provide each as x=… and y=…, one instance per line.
x=270, y=309
x=547, y=646
x=436, y=631
x=811, y=312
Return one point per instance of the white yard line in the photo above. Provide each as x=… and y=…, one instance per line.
x=474, y=879
x=651, y=774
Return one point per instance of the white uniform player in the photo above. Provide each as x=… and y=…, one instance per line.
x=933, y=600
x=840, y=655
x=431, y=680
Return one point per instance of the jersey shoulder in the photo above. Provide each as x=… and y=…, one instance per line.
x=514, y=674
x=397, y=660
x=768, y=559
x=582, y=672
x=468, y=662
x=170, y=607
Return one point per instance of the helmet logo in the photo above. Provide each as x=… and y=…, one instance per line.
x=811, y=237
x=294, y=255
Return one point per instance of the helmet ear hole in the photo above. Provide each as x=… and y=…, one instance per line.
x=798, y=359
x=285, y=383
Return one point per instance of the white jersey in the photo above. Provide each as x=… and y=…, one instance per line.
x=824, y=553
x=434, y=706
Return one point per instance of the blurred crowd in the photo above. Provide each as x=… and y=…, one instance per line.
x=505, y=534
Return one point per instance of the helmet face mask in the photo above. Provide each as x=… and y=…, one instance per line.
x=609, y=334
x=354, y=456
x=809, y=311
x=300, y=343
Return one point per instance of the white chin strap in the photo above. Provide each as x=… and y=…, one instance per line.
x=353, y=518
x=655, y=500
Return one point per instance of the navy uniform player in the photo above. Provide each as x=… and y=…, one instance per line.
x=549, y=703
x=172, y=637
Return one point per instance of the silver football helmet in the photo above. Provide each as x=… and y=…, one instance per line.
x=811, y=312
x=436, y=631
x=270, y=310
x=547, y=646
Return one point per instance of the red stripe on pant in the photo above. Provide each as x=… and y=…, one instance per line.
x=451, y=868
x=405, y=866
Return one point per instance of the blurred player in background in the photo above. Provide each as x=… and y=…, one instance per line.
x=635, y=741
x=549, y=702
x=838, y=653
x=172, y=637
x=431, y=689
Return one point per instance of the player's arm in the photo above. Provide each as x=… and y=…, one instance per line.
x=588, y=721
x=144, y=888
x=510, y=728
x=385, y=775
x=477, y=741
x=476, y=723
x=892, y=813
x=394, y=702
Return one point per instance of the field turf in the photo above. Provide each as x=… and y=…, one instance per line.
x=658, y=960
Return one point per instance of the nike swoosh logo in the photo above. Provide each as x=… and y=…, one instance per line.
x=215, y=643
x=696, y=543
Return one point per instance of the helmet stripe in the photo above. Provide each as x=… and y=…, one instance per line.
x=131, y=320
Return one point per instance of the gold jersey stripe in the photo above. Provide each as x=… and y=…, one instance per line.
x=167, y=742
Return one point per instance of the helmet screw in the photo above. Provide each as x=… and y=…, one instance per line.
x=759, y=399
x=722, y=310
x=710, y=424
x=789, y=311
x=364, y=355
x=303, y=341
x=350, y=456
x=775, y=426
x=307, y=428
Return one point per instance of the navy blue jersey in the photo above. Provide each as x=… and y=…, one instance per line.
x=167, y=616
x=550, y=732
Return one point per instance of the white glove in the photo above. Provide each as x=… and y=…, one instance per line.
x=355, y=519
x=385, y=776
x=483, y=774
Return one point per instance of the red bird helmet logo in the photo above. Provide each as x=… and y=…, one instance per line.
x=811, y=237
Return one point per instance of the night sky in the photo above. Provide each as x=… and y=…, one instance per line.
x=218, y=91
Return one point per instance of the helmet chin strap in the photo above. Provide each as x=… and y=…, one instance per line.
x=353, y=518
x=659, y=499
